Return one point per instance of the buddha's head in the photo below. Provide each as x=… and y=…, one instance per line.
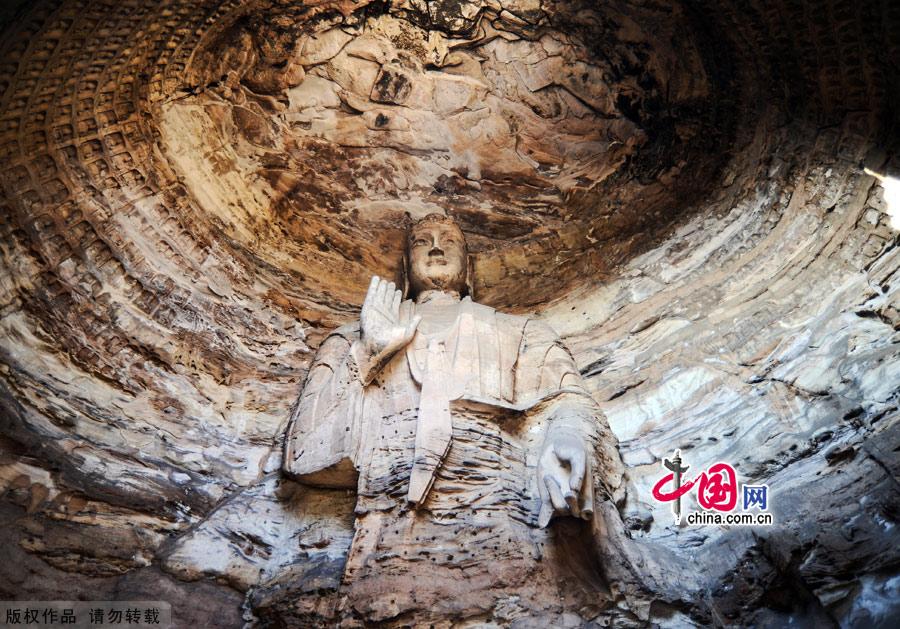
x=437, y=257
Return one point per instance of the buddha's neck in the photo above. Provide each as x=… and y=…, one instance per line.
x=437, y=297
x=438, y=309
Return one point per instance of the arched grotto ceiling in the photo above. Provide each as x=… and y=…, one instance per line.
x=195, y=192
x=308, y=136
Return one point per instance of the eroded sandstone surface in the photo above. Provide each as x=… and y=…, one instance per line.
x=195, y=193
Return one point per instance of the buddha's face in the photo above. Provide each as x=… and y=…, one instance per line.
x=437, y=258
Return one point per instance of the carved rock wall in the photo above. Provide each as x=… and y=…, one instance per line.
x=194, y=193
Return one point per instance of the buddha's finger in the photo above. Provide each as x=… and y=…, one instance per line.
x=556, y=496
x=545, y=514
x=587, y=494
x=370, y=293
x=571, y=499
x=576, y=478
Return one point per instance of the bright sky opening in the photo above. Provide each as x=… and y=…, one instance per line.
x=891, y=186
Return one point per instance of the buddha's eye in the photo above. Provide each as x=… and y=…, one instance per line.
x=420, y=242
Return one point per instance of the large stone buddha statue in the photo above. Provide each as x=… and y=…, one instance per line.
x=464, y=432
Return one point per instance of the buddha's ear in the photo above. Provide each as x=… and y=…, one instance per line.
x=470, y=276
x=402, y=276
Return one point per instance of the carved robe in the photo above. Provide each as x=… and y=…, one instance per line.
x=508, y=380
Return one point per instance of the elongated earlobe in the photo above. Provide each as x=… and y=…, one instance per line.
x=402, y=276
x=470, y=276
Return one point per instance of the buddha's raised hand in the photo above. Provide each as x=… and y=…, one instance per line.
x=387, y=324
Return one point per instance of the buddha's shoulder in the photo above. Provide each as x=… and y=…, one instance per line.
x=348, y=333
x=505, y=319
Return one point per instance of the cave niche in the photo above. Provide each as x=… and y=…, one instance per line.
x=195, y=193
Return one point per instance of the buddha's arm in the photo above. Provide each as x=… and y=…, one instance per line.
x=545, y=369
x=577, y=428
x=323, y=433
x=578, y=415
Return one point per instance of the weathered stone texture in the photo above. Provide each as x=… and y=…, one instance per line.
x=195, y=193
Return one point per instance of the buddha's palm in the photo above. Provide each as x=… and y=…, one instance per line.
x=387, y=322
